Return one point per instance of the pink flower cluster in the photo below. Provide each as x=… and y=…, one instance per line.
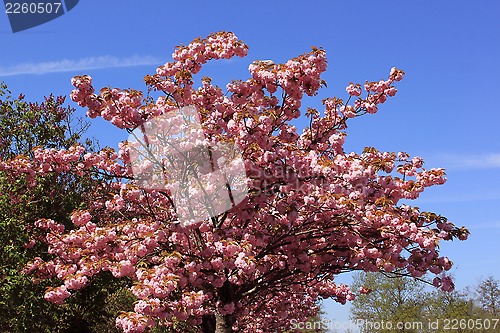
x=377, y=93
x=131, y=322
x=80, y=218
x=120, y=107
x=57, y=295
x=445, y=283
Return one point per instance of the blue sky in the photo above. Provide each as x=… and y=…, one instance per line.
x=445, y=111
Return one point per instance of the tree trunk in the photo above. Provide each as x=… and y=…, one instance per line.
x=217, y=323
x=208, y=324
x=223, y=324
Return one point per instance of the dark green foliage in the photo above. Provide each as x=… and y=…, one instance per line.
x=24, y=126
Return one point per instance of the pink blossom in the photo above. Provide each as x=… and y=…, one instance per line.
x=80, y=218
x=353, y=90
x=447, y=284
x=57, y=295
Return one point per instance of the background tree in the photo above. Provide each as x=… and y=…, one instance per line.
x=387, y=298
x=312, y=210
x=24, y=126
x=488, y=295
x=456, y=305
x=400, y=299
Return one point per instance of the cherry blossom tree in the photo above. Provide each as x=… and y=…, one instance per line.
x=311, y=211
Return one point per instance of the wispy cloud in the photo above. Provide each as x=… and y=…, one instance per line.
x=460, y=197
x=67, y=65
x=463, y=162
x=485, y=225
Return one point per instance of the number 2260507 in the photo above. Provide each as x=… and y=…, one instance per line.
x=33, y=8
